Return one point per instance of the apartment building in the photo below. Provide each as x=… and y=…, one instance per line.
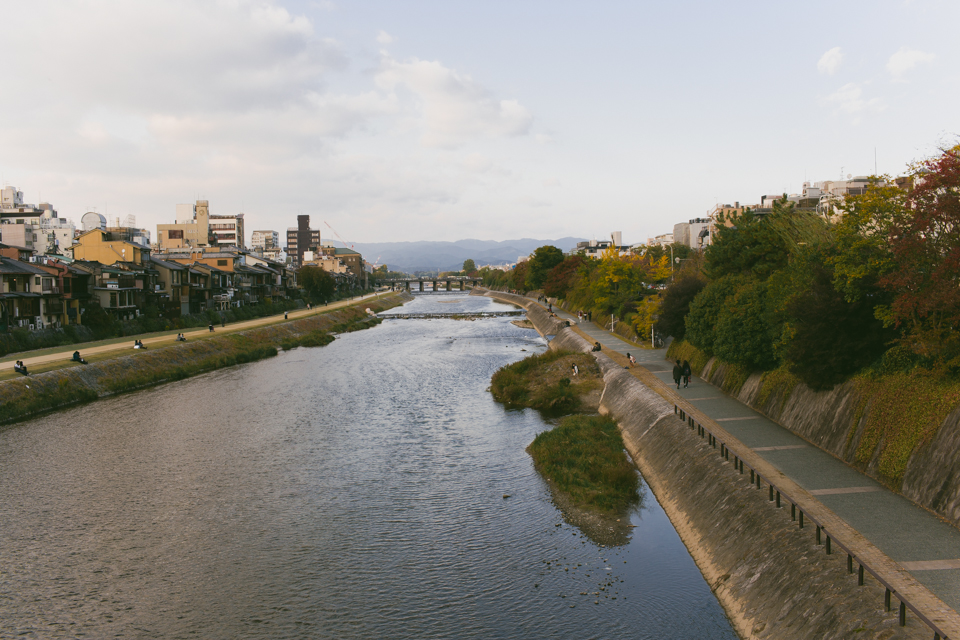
x=301, y=239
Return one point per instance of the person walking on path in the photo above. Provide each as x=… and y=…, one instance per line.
x=677, y=373
x=687, y=372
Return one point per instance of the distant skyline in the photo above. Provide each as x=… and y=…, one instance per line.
x=450, y=120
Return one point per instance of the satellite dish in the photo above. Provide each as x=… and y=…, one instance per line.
x=849, y=175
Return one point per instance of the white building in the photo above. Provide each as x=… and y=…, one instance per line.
x=33, y=227
x=695, y=233
x=265, y=239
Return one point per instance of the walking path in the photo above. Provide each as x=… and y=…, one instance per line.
x=36, y=359
x=919, y=541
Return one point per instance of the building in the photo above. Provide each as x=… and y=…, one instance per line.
x=329, y=263
x=264, y=239
x=227, y=231
x=695, y=233
x=350, y=258
x=301, y=239
x=108, y=248
x=34, y=227
x=191, y=229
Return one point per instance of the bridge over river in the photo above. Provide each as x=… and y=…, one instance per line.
x=448, y=282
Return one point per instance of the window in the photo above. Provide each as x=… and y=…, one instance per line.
x=113, y=299
x=175, y=234
x=221, y=263
x=36, y=281
x=66, y=285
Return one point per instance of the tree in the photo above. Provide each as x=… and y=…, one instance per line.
x=760, y=245
x=540, y=263
x=676, y=305
x=706, y=308
x=925, y=246
x=560, y=278
x=318, y=284
x=828, y=337
x=469, y=266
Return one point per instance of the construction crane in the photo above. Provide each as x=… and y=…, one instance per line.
x=338, y=235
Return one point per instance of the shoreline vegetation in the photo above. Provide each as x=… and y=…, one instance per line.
x=582, y=459
x=23, y=398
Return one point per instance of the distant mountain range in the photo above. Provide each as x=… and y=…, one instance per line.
x=449, y=256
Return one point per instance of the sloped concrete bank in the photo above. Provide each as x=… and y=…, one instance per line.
x=22, y=398
x=850, y=423
x=770, y=576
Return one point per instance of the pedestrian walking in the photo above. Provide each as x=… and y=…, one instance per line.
x=284, y=315
x=687, y=372
x=677, y=373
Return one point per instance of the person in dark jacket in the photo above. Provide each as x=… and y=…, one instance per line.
x=677, y=373
x=687, y=372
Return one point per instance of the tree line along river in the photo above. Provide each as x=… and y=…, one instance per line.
x=350, y=491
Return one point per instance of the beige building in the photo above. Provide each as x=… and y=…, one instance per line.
x=107, y=248
x=192, y=228
x=329, y=263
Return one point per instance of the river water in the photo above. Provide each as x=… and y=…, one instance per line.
x=349, y=491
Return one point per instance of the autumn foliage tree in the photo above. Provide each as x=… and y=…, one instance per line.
x=924, y=278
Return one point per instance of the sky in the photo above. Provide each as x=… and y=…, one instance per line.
x=429, y=120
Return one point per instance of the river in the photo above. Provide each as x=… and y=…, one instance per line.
x=350, y=491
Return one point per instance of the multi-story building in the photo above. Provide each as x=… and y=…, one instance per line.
x=301, y=239
x=227, y=231
x=695, y=233
x=34, y=227
x=264, y=239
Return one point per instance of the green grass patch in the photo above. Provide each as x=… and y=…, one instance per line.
x=778, y=383
x=734, y=377
x=584, y=457
x=37, y=400
x=532, y=382
x=906, y=410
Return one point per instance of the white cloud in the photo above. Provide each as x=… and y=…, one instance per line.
x=452, y=107
x=849, y=99
x=830, y=61
x=906, y=59
x=551, y=182
x=385, y=38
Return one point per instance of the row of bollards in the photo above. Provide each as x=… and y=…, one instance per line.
x=796, y=514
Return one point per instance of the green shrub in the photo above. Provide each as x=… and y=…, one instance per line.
x=584, y=457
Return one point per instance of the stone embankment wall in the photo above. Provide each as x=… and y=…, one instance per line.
x=22, y=398
x=770, y=576
x=546, y=324
x=838, y=420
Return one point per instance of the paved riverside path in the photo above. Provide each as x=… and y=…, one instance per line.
x=924, y=545
x=125, y=344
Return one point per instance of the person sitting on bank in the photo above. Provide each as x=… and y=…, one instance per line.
x=596, y=346
x=20, y=367
x=77, y=358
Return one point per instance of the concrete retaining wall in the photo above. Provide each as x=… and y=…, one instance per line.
x=772, y=579
x=828, y=419
x=769, y=575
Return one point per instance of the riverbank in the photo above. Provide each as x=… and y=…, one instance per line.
x=25, y=397
x=771, y=577
x=902, y=430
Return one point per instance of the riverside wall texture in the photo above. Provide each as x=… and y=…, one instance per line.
x=22, y=398
x=919, y=459
x=772, y=579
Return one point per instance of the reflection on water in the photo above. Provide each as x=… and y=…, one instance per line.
x=351, y=491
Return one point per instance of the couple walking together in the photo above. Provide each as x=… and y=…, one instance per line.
x=682, y=371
